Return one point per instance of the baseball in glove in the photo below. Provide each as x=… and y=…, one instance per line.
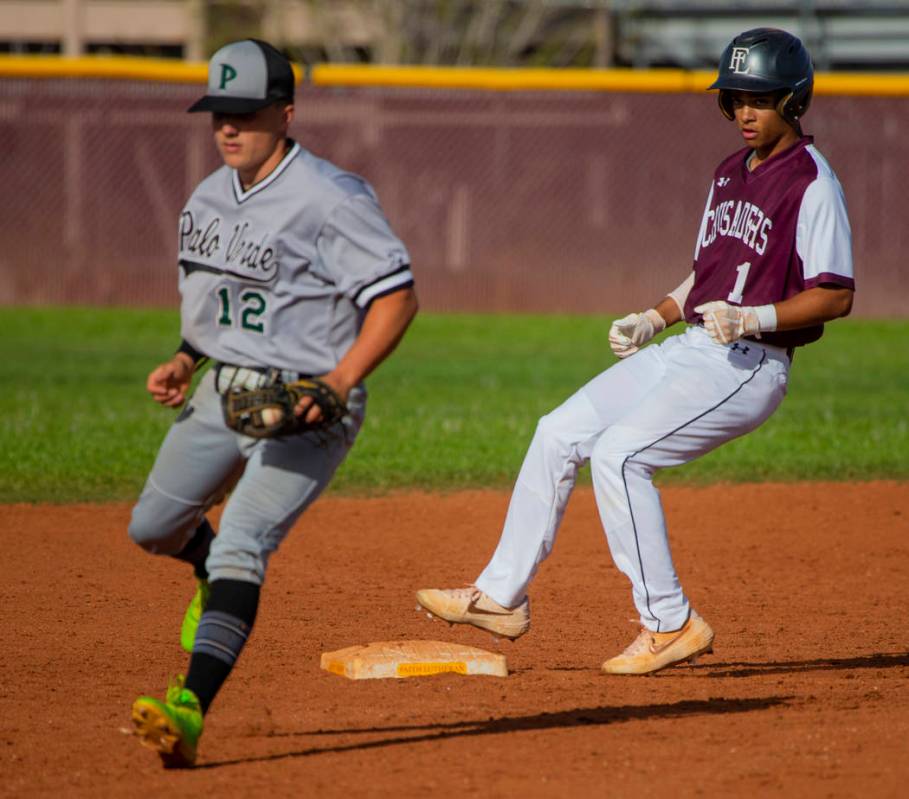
x=268, y=411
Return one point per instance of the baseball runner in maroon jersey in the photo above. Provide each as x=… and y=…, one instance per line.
x=772, y=264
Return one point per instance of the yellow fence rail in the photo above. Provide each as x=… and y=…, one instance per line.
x=482, y=79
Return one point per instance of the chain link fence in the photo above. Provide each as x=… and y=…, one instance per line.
x=508, y=201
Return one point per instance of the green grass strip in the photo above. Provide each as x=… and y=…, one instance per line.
x=455, y=406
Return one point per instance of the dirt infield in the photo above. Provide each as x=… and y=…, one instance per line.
x=807, y=587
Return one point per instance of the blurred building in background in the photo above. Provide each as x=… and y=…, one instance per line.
x=841, y=34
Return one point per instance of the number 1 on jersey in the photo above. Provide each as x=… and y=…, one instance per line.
x=735, y=296
x=224, y=296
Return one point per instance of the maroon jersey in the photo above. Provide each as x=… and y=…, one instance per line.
x=772, y=233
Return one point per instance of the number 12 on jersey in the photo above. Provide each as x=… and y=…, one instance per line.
x=251, y=305
x=738, y=290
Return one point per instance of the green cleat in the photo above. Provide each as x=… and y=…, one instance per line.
x=173, y=727
x=193, y=614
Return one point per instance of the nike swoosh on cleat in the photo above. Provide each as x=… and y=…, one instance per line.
x=472, y=608
x=655, y=649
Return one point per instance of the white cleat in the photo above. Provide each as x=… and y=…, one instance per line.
x=650, y=651
x=471, y=606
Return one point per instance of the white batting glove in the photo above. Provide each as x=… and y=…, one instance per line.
x=727, y=323
x=628, y=334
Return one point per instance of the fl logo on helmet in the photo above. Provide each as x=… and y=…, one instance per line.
x=738, y=61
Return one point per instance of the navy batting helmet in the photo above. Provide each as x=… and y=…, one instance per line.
x=767, y=60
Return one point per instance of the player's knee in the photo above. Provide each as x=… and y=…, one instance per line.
x=143, y=531
x=555, y=427
x=158, y=528
x=611, y=451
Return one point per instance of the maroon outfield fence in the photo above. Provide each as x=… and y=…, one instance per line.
x=508, y=201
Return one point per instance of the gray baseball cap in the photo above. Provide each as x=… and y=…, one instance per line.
x=244, y=77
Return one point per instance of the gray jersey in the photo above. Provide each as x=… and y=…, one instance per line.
x=280, y=275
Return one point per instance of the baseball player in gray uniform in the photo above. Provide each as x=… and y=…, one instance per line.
x=772, y=263
x=288, y=269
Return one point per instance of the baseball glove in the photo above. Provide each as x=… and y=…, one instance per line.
x=268, y=411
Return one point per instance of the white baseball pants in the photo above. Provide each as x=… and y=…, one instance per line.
x=664, y=406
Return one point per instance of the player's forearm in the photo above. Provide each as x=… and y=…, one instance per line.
x=812, y=307
x=386, y=321
x=672, y=306
x=669, y=310
x=185, y=360
x=726, y=323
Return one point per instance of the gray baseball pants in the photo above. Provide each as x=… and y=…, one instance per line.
x=273, y=481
